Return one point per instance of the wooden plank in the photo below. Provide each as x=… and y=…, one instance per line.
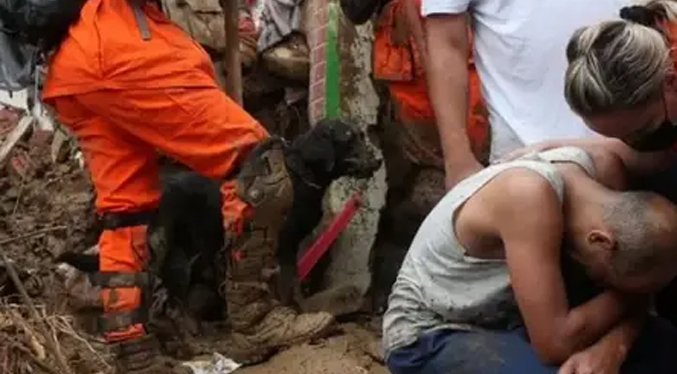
x=15, y=99
x=14, y=136
x=232, y=56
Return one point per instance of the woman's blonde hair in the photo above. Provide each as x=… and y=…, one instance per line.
x=621, y=63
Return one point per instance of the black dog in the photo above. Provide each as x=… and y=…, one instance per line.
x=329, y=151
x=187, y=235
x=184, y=239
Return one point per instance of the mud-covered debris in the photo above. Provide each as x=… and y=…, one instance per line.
x=25, y=349
x=13, y=137
x=46, y=210
x=9, y=117
x=59, y=149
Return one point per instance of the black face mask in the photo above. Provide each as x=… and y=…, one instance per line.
x=664, y=137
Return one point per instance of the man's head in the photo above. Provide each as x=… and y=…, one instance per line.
x=629, y=241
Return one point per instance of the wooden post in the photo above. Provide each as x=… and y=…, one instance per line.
x=231, y=14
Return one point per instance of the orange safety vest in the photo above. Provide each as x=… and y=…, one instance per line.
x=401, y=66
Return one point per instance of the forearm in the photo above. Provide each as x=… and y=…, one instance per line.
x=577, y=142
x=623, y=335
x=637, y=163
x=447, y=76
x=590, y=322
x=609, y=353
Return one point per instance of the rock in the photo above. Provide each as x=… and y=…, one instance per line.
x=41, y=138
x=20, y=164
x=8, y=120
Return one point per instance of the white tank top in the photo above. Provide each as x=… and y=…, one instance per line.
x=439, y=286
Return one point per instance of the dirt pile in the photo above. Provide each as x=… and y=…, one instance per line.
x=45, y=209
x=46, y=214
x=46, y=342
x=355, y=350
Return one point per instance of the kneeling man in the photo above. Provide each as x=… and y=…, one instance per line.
x=481, y=289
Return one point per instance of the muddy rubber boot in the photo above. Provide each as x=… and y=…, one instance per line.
x=289, y=59
x=260, y=324
x=143, y=356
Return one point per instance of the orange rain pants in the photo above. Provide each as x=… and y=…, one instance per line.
x=126, y=99
x=400, y=64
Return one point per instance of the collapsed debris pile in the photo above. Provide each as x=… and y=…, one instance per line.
x=45, y=209
x=45, y=202
x=40, y=340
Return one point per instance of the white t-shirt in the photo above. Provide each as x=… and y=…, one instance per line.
x=520, y=55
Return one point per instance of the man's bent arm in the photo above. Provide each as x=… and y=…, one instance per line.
x=447, y=75
x=639, y=164
x=610, y=352
x=623, y=335
x=532, y=246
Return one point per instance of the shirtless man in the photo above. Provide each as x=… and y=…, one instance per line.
x=486, y=261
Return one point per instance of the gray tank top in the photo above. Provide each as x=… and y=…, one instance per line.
x=439, y=286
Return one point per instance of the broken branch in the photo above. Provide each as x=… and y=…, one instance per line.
x=51, y=343
x=33, y=234
x=34, y=358
x=14, y=136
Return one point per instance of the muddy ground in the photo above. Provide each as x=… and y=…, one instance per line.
x=355, y=351
x=43, y=213
x=49, y=211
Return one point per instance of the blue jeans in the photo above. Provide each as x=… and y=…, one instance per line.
x=509, y=352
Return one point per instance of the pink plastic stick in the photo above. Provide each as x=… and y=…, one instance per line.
x=322, y=243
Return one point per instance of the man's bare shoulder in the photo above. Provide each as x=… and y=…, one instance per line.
x=514, y=207
x=611, y=171
x=521, y=195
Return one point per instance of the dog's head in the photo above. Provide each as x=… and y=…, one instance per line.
x=334, y=149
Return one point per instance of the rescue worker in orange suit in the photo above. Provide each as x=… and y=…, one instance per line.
x=399, y=60
x=409, y=137
x=130, y=84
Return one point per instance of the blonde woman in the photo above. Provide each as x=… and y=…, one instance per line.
x=621, y=76
x=622, y=80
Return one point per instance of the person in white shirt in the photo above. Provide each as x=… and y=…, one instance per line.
x=520, y=57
